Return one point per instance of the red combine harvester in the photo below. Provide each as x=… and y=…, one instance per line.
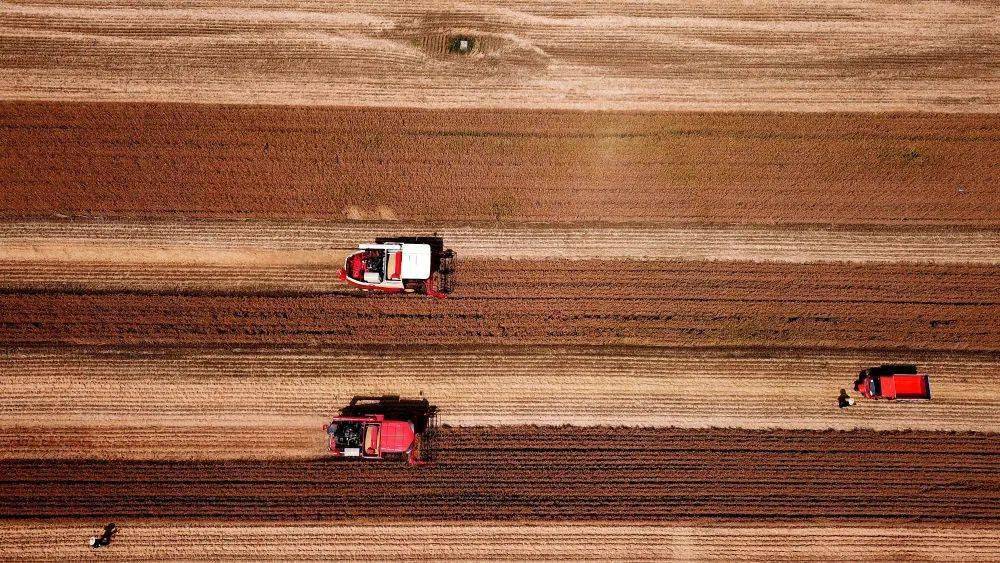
x=401, y=265
x=386, y=427
x=894, y=382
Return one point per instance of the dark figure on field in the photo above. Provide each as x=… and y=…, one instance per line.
x=844, y=400
x=104, y=539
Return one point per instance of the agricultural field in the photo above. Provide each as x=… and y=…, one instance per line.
x=681, y=228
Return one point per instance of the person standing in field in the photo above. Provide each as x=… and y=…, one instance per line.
x=844, y=400
x=104, y=539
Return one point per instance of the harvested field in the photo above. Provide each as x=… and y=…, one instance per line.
x=578, y=474
x=145, y=539
x=199, y=404
x=301, y=257
x=172, y=404
x=686, y=304
x=113, y=160
x=682, y=227
x=803, y=56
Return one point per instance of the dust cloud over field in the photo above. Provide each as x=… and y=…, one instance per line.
x=113, y=160
x=801, y=56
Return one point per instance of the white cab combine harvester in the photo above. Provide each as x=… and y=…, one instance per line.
x=401, y=265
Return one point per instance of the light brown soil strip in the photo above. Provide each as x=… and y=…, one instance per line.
x=144, y=539
x=516, y=473
x=197, y=404
x=113, y=160
x=678, y=304
x=842, y=54
x=303, y=256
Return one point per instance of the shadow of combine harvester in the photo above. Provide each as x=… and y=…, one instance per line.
x=384, y=427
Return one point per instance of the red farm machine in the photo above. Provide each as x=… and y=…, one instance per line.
x=401, y=265
x=894, y=382
x=383, y=428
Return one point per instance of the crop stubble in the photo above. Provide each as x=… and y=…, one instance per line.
x=170, y=404
x=151, y=539
x=219, y=256
x=799, y=55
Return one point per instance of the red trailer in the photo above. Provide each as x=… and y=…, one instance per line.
x=894, y=382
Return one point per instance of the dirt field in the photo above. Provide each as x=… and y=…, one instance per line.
x=512, y=166
x=143, y=539
x=844, y=54
x=682, y=227
x=579, y=474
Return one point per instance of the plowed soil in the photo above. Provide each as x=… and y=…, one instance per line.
x=475, y=165
x=569, y=302
x=143, y=539
x=510, y=473
x=800, y=55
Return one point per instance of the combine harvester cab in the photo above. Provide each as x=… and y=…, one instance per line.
x=894, y=382
x=381, y=428
x=401, y=265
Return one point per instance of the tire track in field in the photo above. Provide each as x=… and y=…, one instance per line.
x=199, y=404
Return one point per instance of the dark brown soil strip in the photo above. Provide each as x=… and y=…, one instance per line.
x=104, y=159
x=908, y=307
x=526, y=473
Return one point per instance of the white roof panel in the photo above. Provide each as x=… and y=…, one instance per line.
x=416, y=261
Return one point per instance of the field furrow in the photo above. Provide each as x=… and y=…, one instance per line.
x=514, y=473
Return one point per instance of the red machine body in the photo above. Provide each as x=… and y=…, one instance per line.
x=894, y=382
x=386, y=427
